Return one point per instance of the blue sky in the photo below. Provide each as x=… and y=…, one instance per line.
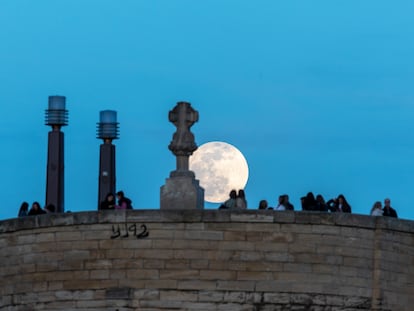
x=318, y=95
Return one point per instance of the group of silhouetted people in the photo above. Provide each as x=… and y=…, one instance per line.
x=108, y=204
x=338, y=204
x=283, y=204
x=308, y=203
x=387, y=210
x=35, y=209
x=237, y=200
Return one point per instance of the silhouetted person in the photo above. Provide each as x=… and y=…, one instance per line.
x=281, y=204
x=309, y=203
x=24, y=209
x=303, y=203
x=241, y=202
x=263, y=204
x=36, y=209
x=123, y=202
x=109, y=202
x=50, y=208
x=321, y=204
x=340, y=204
x=388, y=210
x=376, y=209
x=230, y=202
x=289, y=206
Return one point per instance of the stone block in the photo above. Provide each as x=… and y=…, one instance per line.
x=126, y=263
x=309, y=258
x=326, y=229
x=282, y=217
x=278, y=257
x=274, y=286
x=301, y=299
x=276, y=298
x=146, y=294
x=154, y=254
x=154, y=264
x=305, y=217
x=218, y=275
x=354, y=220
x=278, y=237
x=55, y=285
x=180, y=193
x=234, y=235
x=92, y=305
x=295, y=228
x=199, y=306
x=69, y=236
x=21, y=239
x=238, y=307
x=75, y=284
x=76, y=255
x=196, y=285
x=215, y=217
x=210, y=296
x=326, y=269
x=238, y=297
x=250, y=217
x=189, y=254
x=179, y=274
x=272, y=247
x=236, y=245
x=47, y=266
x=161, y=284
x=236, y=285
x=118, y=293
x=45, y=237
x=64, y=295
x=203, y=235
x=99, y=274
x=265, y=228
x=160, y=234
x=143, y=274
x=252, y=276
x=88, y=217
x=176, y=295
x=199, y=264
x=177, y=264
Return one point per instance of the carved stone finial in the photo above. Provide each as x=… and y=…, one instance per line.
x=183, y=116
x=182, y=190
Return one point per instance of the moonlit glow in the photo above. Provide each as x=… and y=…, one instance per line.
x=220, y=167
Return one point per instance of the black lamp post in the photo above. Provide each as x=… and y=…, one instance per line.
x=56, y=117
x=107, y=130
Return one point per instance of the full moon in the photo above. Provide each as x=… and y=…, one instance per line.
x=220, y=167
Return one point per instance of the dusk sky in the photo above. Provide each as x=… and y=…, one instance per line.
x=317, y=95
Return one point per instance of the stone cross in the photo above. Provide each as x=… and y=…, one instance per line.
x=182, y=190
x=183, y=116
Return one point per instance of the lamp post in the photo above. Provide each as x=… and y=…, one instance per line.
x=107, y=130
x=56, y=117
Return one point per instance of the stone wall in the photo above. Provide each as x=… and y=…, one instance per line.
x=206, y=260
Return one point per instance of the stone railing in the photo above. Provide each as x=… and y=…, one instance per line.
x=206, y=260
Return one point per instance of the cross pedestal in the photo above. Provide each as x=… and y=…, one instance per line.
x=182, y=190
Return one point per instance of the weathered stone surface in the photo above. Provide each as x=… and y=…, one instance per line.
x=207, y=260
x=182, y=193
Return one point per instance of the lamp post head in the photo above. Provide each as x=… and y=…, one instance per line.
x=57, y=115
x=107, y=127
